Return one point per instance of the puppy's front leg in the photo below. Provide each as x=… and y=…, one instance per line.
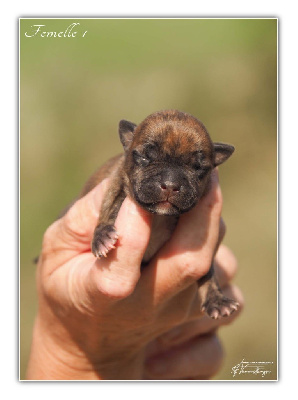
x=213, y=302
x=105, y=235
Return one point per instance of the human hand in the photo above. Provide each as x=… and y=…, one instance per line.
x=192, y=350
x=97, y=317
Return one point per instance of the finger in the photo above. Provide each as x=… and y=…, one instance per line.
x=71, y=234
x=188, y=254
x=201, y=325
x=193, y=229
x=222, y=232
x=225, y=265
x=117, y=275
x=111, y=278
x=201, y=356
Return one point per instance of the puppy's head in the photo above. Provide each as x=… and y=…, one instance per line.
x=169, y=159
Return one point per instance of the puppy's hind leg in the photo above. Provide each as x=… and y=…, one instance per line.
x=213, y=302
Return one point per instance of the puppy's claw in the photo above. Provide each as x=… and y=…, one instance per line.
x=104, y=239
x=214, y=314
x=219, y=306
x=234, y=306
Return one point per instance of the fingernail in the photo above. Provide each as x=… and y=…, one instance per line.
x=132, y=207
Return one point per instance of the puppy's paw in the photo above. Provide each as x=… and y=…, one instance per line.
x=104, y=239
x=219, y=306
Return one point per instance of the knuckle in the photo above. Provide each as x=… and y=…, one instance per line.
x=49, y=240
x=49, y=233
x=205, y=267
x=48, y=289
x=116, y=290
x=226, y=263
x=70, y=222
x=193, y=268
x=125, y=291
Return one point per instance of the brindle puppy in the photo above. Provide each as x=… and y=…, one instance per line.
x=165, y=168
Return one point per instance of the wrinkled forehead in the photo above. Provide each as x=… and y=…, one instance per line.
x=175, y=138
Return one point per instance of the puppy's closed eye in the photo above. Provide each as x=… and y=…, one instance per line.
x=197, y=165
x=151, y=152
x=140, y=159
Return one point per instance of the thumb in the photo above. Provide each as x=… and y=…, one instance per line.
x=117, y=275
x=72, y=234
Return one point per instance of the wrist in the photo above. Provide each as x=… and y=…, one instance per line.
x=59, y=357
x=51, y=359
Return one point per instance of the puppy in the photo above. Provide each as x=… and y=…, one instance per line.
x=165, y=168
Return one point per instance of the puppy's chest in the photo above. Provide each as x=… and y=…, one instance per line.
x=161, y=231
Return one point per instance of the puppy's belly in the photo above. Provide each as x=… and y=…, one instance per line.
x=161, y=231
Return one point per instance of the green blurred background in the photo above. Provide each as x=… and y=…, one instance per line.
x=75, y=90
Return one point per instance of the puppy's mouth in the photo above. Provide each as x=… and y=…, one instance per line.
x=165, y=203
x=163, y=207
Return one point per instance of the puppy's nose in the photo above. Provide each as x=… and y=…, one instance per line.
x=170, y=187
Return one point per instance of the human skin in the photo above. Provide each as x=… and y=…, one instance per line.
x=103, y=319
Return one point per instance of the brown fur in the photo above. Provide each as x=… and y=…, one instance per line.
x=166, y=168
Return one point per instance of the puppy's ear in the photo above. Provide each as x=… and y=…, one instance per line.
x=222, y=152
x=126, y=132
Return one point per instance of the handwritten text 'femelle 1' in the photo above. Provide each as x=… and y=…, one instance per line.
x=68, y=33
